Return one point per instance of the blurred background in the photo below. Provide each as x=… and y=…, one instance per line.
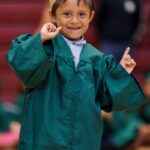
x=27, y=16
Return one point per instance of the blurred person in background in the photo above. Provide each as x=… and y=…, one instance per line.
x=129, y=130
x=10, y=121
x=143, y=132
x=120, y=130
x=119, y=24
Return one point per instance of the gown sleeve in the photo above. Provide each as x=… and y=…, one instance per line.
x=30, y=59
x=118, y=90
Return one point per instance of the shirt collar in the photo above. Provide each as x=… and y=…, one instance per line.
x=80, y=42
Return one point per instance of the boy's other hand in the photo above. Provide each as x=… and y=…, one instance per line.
x=127, y=62
x=49, y=31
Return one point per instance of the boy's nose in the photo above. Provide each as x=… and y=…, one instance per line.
x=74, y=19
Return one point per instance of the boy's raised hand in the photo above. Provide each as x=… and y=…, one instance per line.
x=49, y=31
x=127, y=62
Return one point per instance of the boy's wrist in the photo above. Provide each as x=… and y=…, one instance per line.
x=42, y=39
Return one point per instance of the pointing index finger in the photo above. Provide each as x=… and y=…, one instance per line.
x=127, y=51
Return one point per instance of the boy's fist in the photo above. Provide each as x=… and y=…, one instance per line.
x=49, y=31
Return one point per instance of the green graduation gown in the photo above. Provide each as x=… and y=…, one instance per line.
x=63, y=103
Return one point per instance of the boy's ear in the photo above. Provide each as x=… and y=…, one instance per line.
x=92, y=16
x=52, y=18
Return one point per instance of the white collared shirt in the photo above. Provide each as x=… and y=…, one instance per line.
x=76, y=48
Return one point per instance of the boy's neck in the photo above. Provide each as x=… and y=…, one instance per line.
x=81, y=38
x=79, y=42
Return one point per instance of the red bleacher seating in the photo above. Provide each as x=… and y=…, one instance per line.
x=17, y=17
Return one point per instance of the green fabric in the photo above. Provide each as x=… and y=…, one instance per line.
x=5, y=119
x=147, y=75
x=8, y=113
x=124, y=126
x=147, y=111
x=19, y=103
x=63, y=103
x=144, y=113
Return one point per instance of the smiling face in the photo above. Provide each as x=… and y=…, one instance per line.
x=74, y=18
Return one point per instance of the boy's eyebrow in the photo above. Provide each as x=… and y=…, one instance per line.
x=67, y=9
x=70, y=10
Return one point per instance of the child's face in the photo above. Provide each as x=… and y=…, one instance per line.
x=73, y=18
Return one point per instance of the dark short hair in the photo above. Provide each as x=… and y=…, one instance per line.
x=57, y=3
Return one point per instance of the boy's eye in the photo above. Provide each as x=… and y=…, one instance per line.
x=82, y=14
x=66, y=14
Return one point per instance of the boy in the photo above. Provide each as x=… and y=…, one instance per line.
x=68, y=82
